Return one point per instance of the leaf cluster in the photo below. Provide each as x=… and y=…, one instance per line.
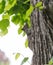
x=21, y=11
x=18, y=9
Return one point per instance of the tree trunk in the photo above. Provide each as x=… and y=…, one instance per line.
x=40, y=37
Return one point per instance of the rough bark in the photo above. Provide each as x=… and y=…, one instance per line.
x=40, y=36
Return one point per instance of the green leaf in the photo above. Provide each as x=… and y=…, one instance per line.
x=9, y=6
x=24, y=60
x=29, y=11
x=38, y=4
x=6, y=16
x=16, y=19
x=4, y=23
x=28, y=22
x=26, y=43
x=2, y=6
x=0, y=1
x=19, y=7
x=13, y=10
x=22, y=21
x=41, y=7
x=26, y=1
x=17, y=56
x=51, y=61
x=3, y=32
x=20, y=30
x=10, y=1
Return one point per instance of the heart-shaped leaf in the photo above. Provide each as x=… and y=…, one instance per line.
x=24, y=60
x=26, y=43
x=17, y=56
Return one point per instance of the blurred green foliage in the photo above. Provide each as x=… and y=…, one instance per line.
x=21, y=11
x=18, y=9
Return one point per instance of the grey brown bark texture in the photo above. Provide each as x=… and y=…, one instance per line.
x=40, y=36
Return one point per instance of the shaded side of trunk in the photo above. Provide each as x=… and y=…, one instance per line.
x=40, y=37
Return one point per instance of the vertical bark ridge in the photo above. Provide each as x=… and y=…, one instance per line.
x=43, y=46
x=41, y=37
x=49, y=34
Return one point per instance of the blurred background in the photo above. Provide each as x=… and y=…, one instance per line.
x=11, y=44
x=3, y=59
